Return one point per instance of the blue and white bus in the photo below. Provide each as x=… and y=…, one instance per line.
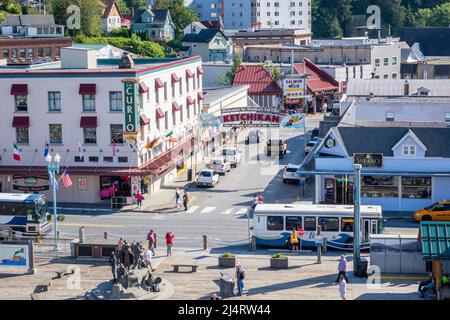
x=24, y=213
x=274, y=223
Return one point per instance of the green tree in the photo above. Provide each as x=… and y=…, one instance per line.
x=423, y=17
x=123, y=7
x=440, y=15
x=237, y=61
x=222, y=80
x=181, y=15
x=150, y=49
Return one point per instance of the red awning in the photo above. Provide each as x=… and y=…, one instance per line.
x=189, y=73
x=158, y=83
x=89, y=88
x=19, y=89
x=21, y=122
x=175, y=78
x=144, y=120
x=189, y=100
x=142, y=87
x=199, y=70
x=159, y=113
x=175, y=106
x=88, y=122
x=201, y=96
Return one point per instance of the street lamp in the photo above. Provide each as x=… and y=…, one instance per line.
x=53, y=169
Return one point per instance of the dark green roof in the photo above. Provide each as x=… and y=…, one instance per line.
x=435, y=240
x=206, y=35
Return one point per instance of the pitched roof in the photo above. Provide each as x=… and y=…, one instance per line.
x=382, y=139
x=259, y=79
x=205, y=35
x=434, y=41
x=319, y=79
x=30, y=20
x=160, y=16
x=216, y=24
x=109, y=4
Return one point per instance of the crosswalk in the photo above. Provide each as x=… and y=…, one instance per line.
x=214, y=210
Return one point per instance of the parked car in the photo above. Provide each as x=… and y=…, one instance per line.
x=290, y=174
x=208, y=178
x=310, y=145
x=220, y=165
x=254, y=136
x=276, y=147
x=232, y=155
x=438, y=211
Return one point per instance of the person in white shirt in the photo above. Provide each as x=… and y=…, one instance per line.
x=342, y=287
x=148, y=259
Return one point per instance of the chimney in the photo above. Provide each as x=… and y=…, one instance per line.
x=126, y=62
x=406, y=88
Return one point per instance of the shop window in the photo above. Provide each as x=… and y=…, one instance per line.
x=55, y=133
x=5, y=53
x=310, y=223
x=379, y=187
x=275, y=223
x=54, y=101
x=117, y=133
x=93, y=159
x=123, y=159
x=22, y=136
x=48, y=52
x=108, y=159
x=329, y=224
x=293, y=223
x=22, y=52
x=30, y=52
x=90, y=135
x=347, y=224
x=78, y=159
x=416, y=187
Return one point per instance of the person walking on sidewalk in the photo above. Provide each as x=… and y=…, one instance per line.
x=139, y=198
x=342, y=268
x=185, y=200
x=113, y=264
x=169, y=242
x=342, y=287
x=240, y=276
x=151, y=241
x=177, y=198
x=148, y=259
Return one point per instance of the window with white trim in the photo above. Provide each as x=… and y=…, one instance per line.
x=409, y=150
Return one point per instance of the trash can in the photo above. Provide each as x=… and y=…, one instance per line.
x=226, y=285
x=360, y=268
x=189, y=174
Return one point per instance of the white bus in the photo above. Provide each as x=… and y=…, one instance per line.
x=274, y=223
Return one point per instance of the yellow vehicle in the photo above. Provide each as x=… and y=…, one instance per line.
x=438, y=211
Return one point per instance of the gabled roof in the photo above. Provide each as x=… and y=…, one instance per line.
x=383, y=139
x=259, y=79
x=160, y=16
x=204, y=36
x=109, y=5
x=319, y=79
x=216, y=24
x=414, y=137
x=30, y=20
x=434, y=41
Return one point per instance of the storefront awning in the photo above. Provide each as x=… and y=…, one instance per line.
x=21, y=122
x=189, y=73
x=88, y=88
x=199, y=70
x=144, y=120
x=19, y=90
x=158, y=83
x=189, y=100
x=201, y=96
x=143, y=87
x=175, y=106
x=159, y=113
x=175, y=78
x=88, y=122
x=435, y=237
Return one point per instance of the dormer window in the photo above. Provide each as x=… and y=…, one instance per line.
x=409, y=150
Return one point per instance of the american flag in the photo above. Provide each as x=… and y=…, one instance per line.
x=65, y=178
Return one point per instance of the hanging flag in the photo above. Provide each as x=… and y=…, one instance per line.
x=66, y=180
x=46, y=150
x=80, y=149
x=113, y=148
x=151, y=144
x=16, y=154
x=170, y=134
x=173, y=140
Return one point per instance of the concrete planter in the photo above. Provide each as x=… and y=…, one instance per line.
x=279, y=263
x=227, y=262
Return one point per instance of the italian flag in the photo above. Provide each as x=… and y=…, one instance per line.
x=16, y=154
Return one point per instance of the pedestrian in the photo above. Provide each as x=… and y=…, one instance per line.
x=113, y=264
x=120, y=244
x=294, y=241
x=177, y=198
x=240, y=276
x=430, y=287
x=342, y=268
x=139, y=198
x=425, y=282
x=185, y=200
x=151, y=241
x=169, y=242
x=342, y=287
x=126, y=255
x=148, y=259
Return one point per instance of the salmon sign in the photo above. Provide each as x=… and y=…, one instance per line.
x=250, y=117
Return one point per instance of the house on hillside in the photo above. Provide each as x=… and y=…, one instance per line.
x=31, y=25
x=212, y=44
x=155, y=25
x=111, y=17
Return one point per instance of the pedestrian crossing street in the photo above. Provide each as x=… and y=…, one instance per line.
x=215, y=210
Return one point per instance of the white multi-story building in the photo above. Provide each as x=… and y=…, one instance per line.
x=244, y=14
x=118, y=128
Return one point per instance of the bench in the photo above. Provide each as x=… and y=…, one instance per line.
x=177, y=266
